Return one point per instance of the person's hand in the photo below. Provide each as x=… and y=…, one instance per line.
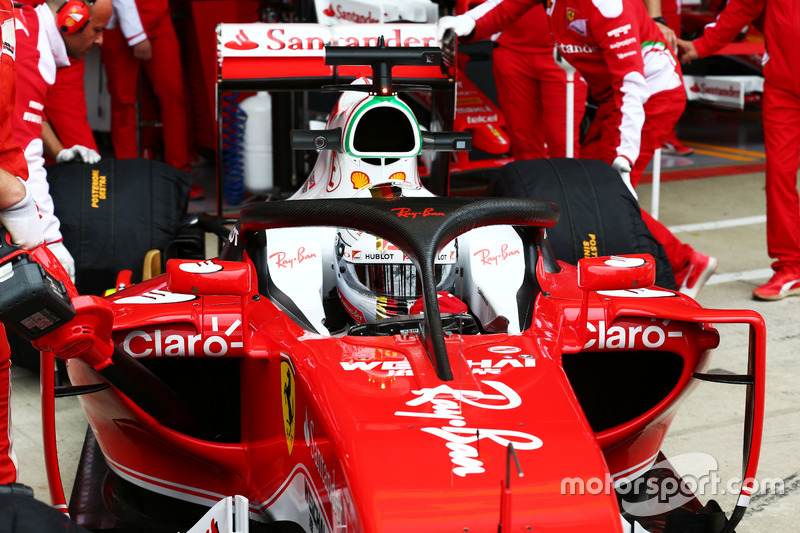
x=78, y=152
x=142, y=50
x=623, y=166
x=670, y=39
x=462, y=26
x=687, y=51
x=63, y=255
x=23, y=222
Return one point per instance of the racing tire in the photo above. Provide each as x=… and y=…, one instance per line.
x=21, y=513
x=113, y=212
x=599, y=215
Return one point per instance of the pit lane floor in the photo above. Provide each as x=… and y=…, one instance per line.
x=721, y=215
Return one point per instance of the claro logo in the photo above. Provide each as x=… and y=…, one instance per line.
x=627, y=337
x=158, y=343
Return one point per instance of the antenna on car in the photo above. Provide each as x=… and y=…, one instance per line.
x=505, y=490
x=381, y=59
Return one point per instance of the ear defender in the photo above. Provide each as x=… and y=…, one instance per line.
x=72, y=16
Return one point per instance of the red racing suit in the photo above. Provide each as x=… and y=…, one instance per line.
x=40, y=51
x=636, y=80
x=12, y=160
x=65, y=108
x=780, y=112
x=532, y=89
x=164, y=72
x=11, y=157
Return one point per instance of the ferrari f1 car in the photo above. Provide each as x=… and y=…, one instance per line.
x=368, y=357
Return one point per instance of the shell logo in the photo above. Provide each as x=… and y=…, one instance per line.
x=74, y=16
x=359, y=180
x=399, y=176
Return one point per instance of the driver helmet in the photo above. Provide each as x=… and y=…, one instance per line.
x=375, y=279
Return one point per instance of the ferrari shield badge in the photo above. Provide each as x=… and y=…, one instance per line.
x=287, y=399
x=575, y=22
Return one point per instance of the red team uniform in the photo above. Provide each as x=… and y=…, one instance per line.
x=780, y=114
x=13, y=161
x=530, y=83
x=163, y=70
x=66, y=107
x=11, y=157
x=636, y=81
x=40, y=51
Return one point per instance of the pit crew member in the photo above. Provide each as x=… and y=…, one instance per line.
x=532, y=90
x=66, y=134
x=46, y=39
x=781, y=117
x=18, y=214
x=156, y=48
x=633, y=76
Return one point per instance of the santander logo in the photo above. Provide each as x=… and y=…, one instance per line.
x=241, y=42
x=350, y=13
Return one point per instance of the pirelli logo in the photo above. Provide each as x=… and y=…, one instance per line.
x=590, y=246
x=98, y=188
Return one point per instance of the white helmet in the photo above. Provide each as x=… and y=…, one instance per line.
x=375, y=279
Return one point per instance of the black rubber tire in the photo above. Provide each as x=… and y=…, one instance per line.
x=599, y=215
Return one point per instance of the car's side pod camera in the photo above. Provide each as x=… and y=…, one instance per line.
x=447, y=141
x=441, y=141
x=317, y=139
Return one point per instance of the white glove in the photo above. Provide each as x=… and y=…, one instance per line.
x=623, y=166
x=462, y=25
x=63, y=255
x=87, y=155
x=23, y=222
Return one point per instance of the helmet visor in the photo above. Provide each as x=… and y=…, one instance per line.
x=396, y=280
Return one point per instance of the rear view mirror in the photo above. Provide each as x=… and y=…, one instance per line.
x=635, y=271
x=209, y=277
x=317, y=139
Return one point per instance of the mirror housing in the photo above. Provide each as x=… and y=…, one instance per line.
x=616, y=272
x=210, y=276
x=317, y=139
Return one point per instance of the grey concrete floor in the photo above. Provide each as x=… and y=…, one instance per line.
x=710, y=420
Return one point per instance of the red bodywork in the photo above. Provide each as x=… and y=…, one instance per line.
x=477, y=114
x=359, y=432
x=368, y=433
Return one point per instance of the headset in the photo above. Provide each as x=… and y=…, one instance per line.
x=72, y=16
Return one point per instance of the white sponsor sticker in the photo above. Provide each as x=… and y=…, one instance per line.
x=504, y=349
x=637, y=293
x=445, y=403
x=201, y=267
x=9, y=38
x=624, y=262
x=156, y=296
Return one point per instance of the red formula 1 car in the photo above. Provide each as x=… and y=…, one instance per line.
x=368, y=357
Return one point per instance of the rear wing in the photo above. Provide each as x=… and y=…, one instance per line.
x=265, y=56
x=279, y=57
